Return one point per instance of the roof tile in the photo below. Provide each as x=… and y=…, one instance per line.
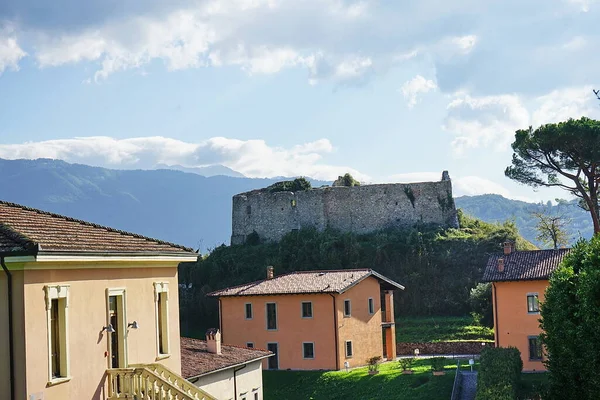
x=524, y=265
x=299, y=282
x=23, y=228
x=197, y=360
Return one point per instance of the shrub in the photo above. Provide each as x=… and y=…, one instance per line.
x=437, y=363
x=296, y=185
x=499, y=374
x=346, y=180
x=373, y=363
x=480, y=300
x=406, y=363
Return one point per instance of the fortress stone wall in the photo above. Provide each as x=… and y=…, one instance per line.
x=359, y=209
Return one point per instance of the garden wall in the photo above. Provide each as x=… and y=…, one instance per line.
x=407, y=349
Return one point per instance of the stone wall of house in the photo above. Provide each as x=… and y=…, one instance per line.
x=359, y=209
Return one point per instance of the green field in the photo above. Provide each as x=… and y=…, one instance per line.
x=441, y=329
x=358, y=384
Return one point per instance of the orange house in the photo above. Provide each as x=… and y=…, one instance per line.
x=312, y=319
x=519, y=280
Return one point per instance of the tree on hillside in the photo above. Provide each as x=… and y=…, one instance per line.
x=570, y=320
x=551, y=229
x=564, y=155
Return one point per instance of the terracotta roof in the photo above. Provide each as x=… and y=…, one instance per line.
x=25, y=229
x=524, y=265
x=196, y=360
x=299, y=282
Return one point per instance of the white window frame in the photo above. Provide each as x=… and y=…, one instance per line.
x=60, y=293
x=162, y=287
x=302, y=309
x=246, y=311
x=538, y=302
x=371, y=305
x=346, y=349
x=313, y=351
x=349, y=308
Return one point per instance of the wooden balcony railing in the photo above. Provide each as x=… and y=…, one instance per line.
x=151, y=382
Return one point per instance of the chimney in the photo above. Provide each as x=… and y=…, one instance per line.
x=213, y=341
x=270, y=272
x=508, y=248
x=501, y=265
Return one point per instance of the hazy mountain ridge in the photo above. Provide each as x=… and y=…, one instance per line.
x=188, y=208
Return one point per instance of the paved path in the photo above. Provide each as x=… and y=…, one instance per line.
x=468, y=385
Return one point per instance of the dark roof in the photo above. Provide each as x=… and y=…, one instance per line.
x=524, y=265
x=301, y=282
x=27, y=230
x=196, y=360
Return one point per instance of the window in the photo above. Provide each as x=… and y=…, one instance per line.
x=161, y=298
x=348, y=348
x=308, y=350
x=250, y=345
x=347, y=308
x=307, y=309
x=533, y=304
x=248, y=210
x=255, y=396
x=271, y=316
x=371, y=306
x=57, y=299
x=248, y=310
x=535, y=348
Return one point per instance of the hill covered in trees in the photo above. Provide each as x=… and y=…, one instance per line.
x=438, y=267
x=495, y=208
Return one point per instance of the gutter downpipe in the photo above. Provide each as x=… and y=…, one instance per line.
x=11, y=343
x=235, y=370
x=221, y=320
x=335, y=333
x=496, y=338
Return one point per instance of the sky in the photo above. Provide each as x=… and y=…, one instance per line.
x=390, y=91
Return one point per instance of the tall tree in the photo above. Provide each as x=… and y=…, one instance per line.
x=570, y=320
x=564, y=155
x=551, y=228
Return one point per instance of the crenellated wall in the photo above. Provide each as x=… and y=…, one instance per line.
x=359, y=209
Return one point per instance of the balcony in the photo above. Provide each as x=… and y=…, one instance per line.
x=151, y=382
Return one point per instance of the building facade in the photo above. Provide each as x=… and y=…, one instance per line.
x=359, y=209
x=85, y=309
x=313, y=320
x=519, y=280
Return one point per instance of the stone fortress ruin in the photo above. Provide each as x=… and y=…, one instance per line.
x=358, y=209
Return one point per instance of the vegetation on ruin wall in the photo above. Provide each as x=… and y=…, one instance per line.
x=438, y=267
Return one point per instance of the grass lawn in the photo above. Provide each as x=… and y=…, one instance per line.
x=441, y=329
x=358, y=384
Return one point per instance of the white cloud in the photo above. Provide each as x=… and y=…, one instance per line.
x=411, y=89
x=10, y=51
x=253, y=158
x=560, y=105
x=484, y=121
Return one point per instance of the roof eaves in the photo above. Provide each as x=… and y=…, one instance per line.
x=231, y=366
x=98, y=226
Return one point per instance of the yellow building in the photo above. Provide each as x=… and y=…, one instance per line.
x=312, y=319
x=87, y=312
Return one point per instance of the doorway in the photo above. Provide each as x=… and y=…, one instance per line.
x=273, y=361
x=117, y=345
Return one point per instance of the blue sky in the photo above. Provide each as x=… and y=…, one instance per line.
x=390, y=91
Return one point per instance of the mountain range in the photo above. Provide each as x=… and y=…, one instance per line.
x=191, y=209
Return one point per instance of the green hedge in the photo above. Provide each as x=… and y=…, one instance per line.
x=499, y=374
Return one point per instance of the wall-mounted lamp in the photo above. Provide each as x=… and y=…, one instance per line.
x=133, y=325
x=108, y=329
